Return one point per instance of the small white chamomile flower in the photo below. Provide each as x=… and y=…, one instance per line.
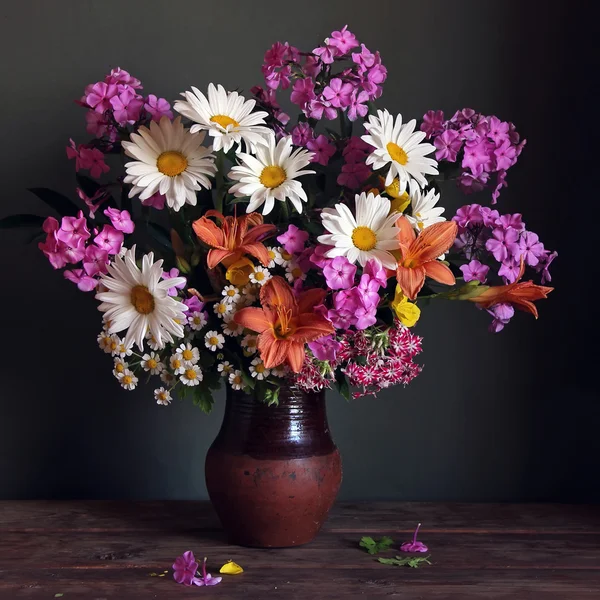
x=188, y=354
x=293, y=272
x=258, y=369
x=128, y=380
x=284, y=258
x=232, y=328
x=280, y=371
x=192, y=375
x=177, y=364
x=225, y=368
x=249, y=343
x=260, y=275
x=105, y=342
x=168, y=377
x=162, y=396
x=119, y=367
x=214, y=340
x=231, y=294
x=152, y=342
x=197, y=320
x=151, y=362
x=222, y=308
x=274, y=256
x=236, y=380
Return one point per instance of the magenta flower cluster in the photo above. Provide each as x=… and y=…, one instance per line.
x=485, y=237
x=355, y=171
x=482, y=145
x=185, y=571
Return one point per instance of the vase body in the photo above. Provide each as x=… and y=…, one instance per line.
x=273, y=472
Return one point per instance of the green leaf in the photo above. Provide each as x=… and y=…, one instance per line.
x=248, y=381
x=466, y=291
x=271, y=396
x=17, y=221
x=61, y=204
x=405, y=561
x=342, y=385
x=160, y=234
x=373, y=546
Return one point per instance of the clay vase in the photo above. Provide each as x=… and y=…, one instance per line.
x=273, y=472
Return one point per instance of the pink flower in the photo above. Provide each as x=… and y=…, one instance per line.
x=73, y=230
x=72, y=254
x=502, y=314
x=375, y=270
x=127, y=106
x=121, y=76
x=531, y=247
x=343, y=40
x=184, y=568
x=100, y=196
x=207, y=578
x=510, y=270
x=365, y=59
x=506, y=155
x=339, y=273
x=474, y=271
x=353, y=175
x=433, y=122
x=325, y=348
x=515, y=221
x=52, y=247
x=110, y=239
x=121, y=219
x=503, y=244
x=293, y=239
x=376, y=75
x=193, y=304
x=99, y=95
x=95, y=260
x=357, y=108
x=498, y=130
x=312, y=66
x=170, y=275
x=157, y=201
x=323, y=149
x=338, y=93
x=477, y=156
x=414, y=546
x=326, y=53
x=318, y=257
x=303, y=92
x=98, y=126
x=318, y=108
x=301, y=134
x=448, y=145
x=275, y=55
x=158, y=108
x=368, y=291
x=84, y=282
x=276, y=77
x=87, y=158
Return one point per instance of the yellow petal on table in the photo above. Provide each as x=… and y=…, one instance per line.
x=231, y=568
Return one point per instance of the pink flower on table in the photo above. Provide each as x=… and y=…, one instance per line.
x=325, y=348
x=207, y=578
x=353, y=175
x=94, y=202
x=357, y=108
x=158, y=108
x=375, y=270
x=339, y=273
x=118, y=75
x=506, y=155
x=293, y=239
x=474, y=271
x=503, y=244
x=323, y=149
x=171, y=275
x=127, y=106
x=157, y=201
x=414, y=546
x=73, y=229
x=99, y=95
x=121, y=219
x=433, y=122
x=184, y=568
x=95, y=260
x=84, y=282
x=303, y=92
x=343, y=40
x=327, y=53
x=301, y=134
x=448, y=145
x=110, y=239
x=318, y=108
x=338, y=93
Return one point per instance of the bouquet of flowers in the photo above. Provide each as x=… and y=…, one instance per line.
x=236, y=245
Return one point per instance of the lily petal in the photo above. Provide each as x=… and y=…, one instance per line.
x=433, y=241
x=255, y=319
x=308, y=299
x=440, y=272
x=410, y=280
x=276, y=292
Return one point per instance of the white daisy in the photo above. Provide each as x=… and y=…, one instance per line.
x=293, y=272
x=154, y=345
x=177, y=364
x=232, y=328
x=128, y=380
x=249, y=343
x=105, y=342
x=227, y=117
x=137, y=300
x=188, y=354
x=280, y=371
x=214, y=340
x=191, y=376
x=151, y=362
x=274, y=256
x=258, y=369
x=236, y=380
x=162, y=396
x=231, y=294
x=119, y=367
x=169, y=160
x=249, y=293
x=225, y=368
x=167, y=377
x=197, y=320
x=260, y=275
x=371, y=234
x=119, y=348
x=271, y=175
x=400, y=147
x=222, y=308
x=283, y=258
x=424, y=210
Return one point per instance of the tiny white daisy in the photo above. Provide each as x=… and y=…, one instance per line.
x=167, y=377
x=128, y=380
x=225, y=368
x=293, y=272
x=258, y=369
x=105, y=342
x=283, y=258
x=197, y=320
x=162, y=396
x=214, y=340
x=152, y=342
x=222, y=308
x=151, y=362
x=188, y=354
x=232, y=328
x=231, y=294
x=192, y=375
x=249, y=343
x=119, y=367
x=279, y=371
x=121, y=349
x=177, y=364
x=249, y=293
x=236, y=380
x=260, y=275
x=274, y=256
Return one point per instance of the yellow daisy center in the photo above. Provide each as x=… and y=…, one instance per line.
x=122, y=349
x=171, y=163
x=113, y=345
x=142, y=299
x=259, y=275
x=190, y=374
x=364, y=238
x=286, y=256
x=176, y=363
x=222, y=308
x=119, y=368
x=397, y=153
x=224, y=121
x=419, y=222
x=251, y=343
x=162, y=396
x=271, y=254
x=127, y=379
x=151, y=363
x=197, y=320
x=297, y=272
x=187, y=354
x=259, y=368
x=231, y=293
x=213, y=341
x=272, y=176
x=237, y=380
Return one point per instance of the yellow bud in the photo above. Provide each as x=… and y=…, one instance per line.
x=239, y=272
x=407, y=312
x=182, y=264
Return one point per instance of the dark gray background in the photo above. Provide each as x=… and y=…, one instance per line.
x=512, y=416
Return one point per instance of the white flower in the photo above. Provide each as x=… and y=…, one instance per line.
x=371, y=234
x=119, y=367
x=162, y=396
x=154, y=345
x=293, y=272
x=167, y=377
x=424, y=209
x=197, y=320
x=260, y=275
x=128, y=380
x=187, y=354
x=249, y=293
x=227, y=117
x=284, y=258
x=274, y=256
x=258, y=369
x=280, y=371
x=169, y=160
x=225, y=368
x=151, y=362
x=231, y=294
x=192, y=375
x=249, y=343
x=399, y=146
x=222, y=308
x=271, y=175
x=232, y=328
x=105, y=342
x=236, y=380
x=119, y=348
x=177, y=364
x=137, y=300
x=214, y=340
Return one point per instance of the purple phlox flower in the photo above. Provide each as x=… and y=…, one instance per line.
x=375, y=76
x=365, y=317
x=515, y=221
x=121, y=219
x=98, y=126
x=110, y=239
x=503, y=244
x=118, y=75
x=338, y=93
x=318, y=257
x=87, y=158
x=467, y=215
x=172, y=274
x=184, y=568
x=318, y=108
x=51, y=247
x=84, y=282
x=303, y=260
x=356, y=150
x=506, y=155
x=368, y=291
x=474, y=271
x=275, y=55
x=327, y=53
x=433, y=123
x=357, y=107
x=510, y=270
x=95, y=260
x=158, y=108
x=277, y=77
x=312, y=66
x=375, y=270
x=207, y=578
x=463, y=116
x=99, y=95
x=531, y=248
x=365, y=59
x=343, y=40
x=414, y=546
x=469, y=183
x=293, y=239
x=490, y=216
x=301, y=134
x=323, y=149
x=94, y=202
x=544, y=265
x=500, y=183
x=498, y=130
x=325, y=348
x=353, y=175
x=477, y=156
x=303, y=92
x=502, y=314
x=127, y=106
x=157, y=201
x=448, y=145
x=73, y=229
x=194, y=305
x=339, y=273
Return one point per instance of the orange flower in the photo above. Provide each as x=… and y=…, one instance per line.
x=519, y=294
x=284, y=324
x=418, y=255
x=235, y=237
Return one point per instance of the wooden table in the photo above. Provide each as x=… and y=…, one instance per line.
x=100, y=549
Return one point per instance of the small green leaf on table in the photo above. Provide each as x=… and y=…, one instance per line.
x=405, y=561
x=373, y=546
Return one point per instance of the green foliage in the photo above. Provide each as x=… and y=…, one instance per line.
x=373, y=546
x=271, y=396
x=405, y=561
x=61, y=204
x=342, y=385
x=466, y=291
x=21, y=221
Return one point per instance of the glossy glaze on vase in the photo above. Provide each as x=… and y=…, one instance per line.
x=273, y=472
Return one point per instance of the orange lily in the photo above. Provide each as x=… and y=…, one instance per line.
x=284, y=324
x=235, y=237
x=418, y=255
x=520, y=294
